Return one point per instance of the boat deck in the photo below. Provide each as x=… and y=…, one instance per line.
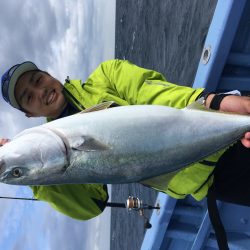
x=224, y=65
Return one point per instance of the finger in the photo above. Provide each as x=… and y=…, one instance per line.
x=247, y=135
x=245, y=142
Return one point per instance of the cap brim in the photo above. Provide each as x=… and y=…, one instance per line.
x=21, y=69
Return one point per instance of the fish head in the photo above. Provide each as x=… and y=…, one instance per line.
x=33, y=157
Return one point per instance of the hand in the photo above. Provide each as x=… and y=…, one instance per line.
x=240, y=105
x=232, y=103
x=3, y=141
x=246, y=140
x=236, y=104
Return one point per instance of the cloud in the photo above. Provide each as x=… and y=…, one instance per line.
x=13, y=121
x=85, y=43
x=57, y=35
x=98, y=234
x=25, y=35
x=37, y=224
x=67, y=37
x=27, y=31
x=63, y=37
x=11, y=213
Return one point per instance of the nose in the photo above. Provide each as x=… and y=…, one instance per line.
x=36, y=92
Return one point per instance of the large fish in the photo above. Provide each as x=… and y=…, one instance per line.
x=117, y=145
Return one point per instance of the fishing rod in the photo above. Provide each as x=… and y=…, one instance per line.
x=18, y=198
x=132, y=203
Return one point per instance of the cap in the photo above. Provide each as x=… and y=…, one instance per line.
x=9, y=80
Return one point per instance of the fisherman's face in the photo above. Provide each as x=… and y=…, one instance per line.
x=40, y=94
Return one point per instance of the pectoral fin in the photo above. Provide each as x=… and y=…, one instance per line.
x=88, y=143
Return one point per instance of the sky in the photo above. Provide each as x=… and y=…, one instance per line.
x=65, y=38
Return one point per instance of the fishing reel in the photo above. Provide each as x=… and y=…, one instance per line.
x=134, y=203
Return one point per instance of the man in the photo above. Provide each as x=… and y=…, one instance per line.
x=36, y=93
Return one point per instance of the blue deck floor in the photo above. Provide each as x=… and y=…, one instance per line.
x=224, y=65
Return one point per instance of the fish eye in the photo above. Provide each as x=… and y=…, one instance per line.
x=16, y=172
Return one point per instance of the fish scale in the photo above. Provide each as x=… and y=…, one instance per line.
x=117, y=145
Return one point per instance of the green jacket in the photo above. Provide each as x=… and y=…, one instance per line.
x=127, y=84
x=79, y=201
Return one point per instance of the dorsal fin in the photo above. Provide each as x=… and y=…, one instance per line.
x=197, y=105
x=97, y=107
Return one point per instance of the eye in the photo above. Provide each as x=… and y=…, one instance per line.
x=38, y=80
x=16, y=172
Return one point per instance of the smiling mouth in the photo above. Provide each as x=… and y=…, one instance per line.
x=50, y=98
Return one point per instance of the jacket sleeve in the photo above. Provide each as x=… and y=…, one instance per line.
x=79, y=201
x=138, y=85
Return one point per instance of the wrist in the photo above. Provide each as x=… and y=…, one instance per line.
x=213, y=101
x=208, y=100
